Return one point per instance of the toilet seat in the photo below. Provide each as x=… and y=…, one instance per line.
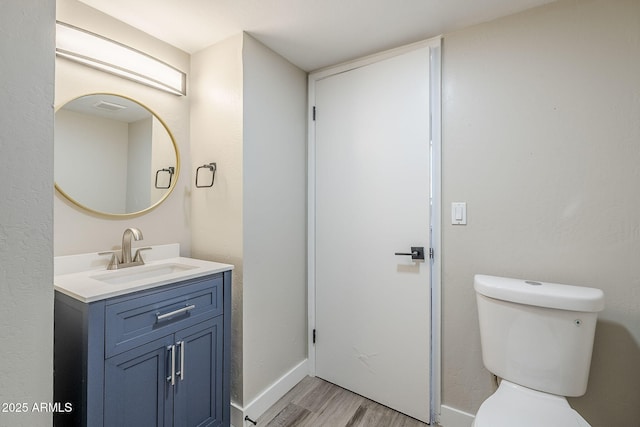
x=513, y=405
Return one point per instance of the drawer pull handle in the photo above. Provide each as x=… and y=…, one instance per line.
x=183, y=310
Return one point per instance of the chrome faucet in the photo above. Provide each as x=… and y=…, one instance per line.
x=126, y=259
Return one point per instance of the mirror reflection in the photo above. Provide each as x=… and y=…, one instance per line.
x=112, y=155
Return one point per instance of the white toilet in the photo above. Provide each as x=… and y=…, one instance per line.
x=537, y=337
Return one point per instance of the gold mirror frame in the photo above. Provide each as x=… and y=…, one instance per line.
x=82, y=207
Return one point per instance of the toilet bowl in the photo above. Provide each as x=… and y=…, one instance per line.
x=538, y=338
x=516, y=406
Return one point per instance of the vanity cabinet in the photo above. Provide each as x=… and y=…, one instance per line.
x=158, y=357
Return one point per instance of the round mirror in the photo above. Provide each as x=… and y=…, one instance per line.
x=113, y=156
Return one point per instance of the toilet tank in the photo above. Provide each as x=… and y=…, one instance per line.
x=537, y=334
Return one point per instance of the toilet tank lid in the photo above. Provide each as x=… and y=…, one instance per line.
x=541, y=294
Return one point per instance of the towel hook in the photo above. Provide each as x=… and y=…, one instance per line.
x=212, y=167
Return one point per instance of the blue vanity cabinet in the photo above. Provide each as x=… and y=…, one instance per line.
x=158, y=357
x=140, y=390
x=135, y=387
x=195, y=398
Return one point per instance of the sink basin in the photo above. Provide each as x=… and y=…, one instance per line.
x=85, y=277
x=132, y=274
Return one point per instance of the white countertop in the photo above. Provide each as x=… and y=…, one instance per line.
x=85, y=277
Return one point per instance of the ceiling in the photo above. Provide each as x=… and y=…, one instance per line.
x=311, y=34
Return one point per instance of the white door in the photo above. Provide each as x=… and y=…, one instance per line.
x=372, y=200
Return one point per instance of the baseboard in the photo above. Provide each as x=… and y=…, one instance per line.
x=452, y=417
x=237, y=415
x=269, y=396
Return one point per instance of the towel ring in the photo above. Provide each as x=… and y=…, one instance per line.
x=171, y=170
x=212, y=167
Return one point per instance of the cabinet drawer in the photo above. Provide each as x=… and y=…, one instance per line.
x=150, y=315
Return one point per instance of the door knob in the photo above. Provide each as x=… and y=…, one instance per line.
x=417, y=252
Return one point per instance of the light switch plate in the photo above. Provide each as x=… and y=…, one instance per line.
x=459, y=213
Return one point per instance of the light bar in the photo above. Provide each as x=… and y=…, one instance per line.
x=107, y=55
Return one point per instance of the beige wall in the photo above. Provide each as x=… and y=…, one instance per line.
x=274, y=219
x=248, y=116
x=26, y=223
x=541, y=138
x=78, y=232
x=216, y=136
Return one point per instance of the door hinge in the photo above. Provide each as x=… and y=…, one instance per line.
x=314, y=336
x=313, y=112
x=431, y=253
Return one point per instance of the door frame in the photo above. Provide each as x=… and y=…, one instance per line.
x=435, y=54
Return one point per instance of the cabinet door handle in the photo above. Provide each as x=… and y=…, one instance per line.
x=172, y=378
x=183, y=310
x=181, y=344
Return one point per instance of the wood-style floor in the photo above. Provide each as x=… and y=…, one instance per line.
x=318, y=403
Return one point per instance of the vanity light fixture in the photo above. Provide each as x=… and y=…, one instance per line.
x=108, y=55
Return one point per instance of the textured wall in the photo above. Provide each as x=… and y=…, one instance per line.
x=77, y=231
x=26, y=223
x=541, y=138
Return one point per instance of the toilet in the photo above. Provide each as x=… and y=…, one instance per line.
x=538, y=338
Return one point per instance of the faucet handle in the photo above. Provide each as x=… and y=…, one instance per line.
x=115, y=262
x=138, y=256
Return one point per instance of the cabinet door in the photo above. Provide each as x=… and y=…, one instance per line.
x=198, y=390
x=137, y=393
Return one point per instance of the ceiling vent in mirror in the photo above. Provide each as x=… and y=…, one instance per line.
x=108, y=106
x=116, y=58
